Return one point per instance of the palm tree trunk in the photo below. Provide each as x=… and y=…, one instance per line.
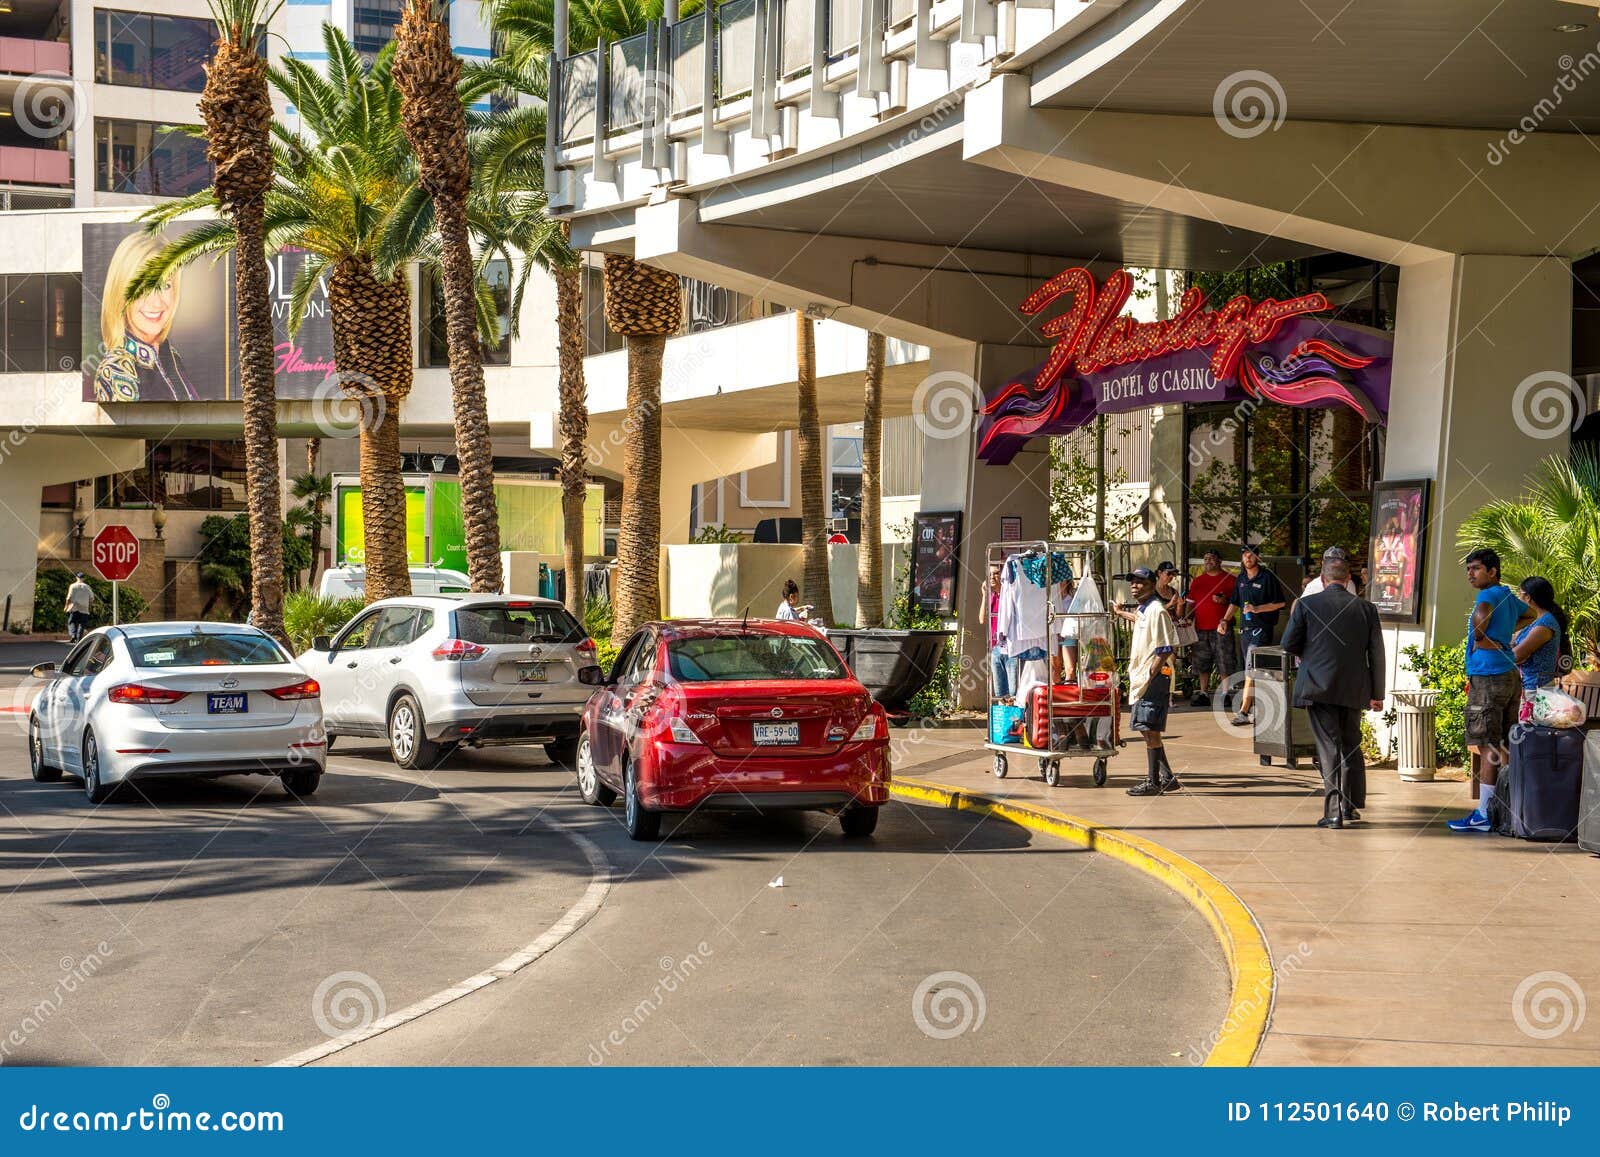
x=383, y=506
x=574, y=425
x=426, y=71
x=869, y=563
x=313, y=460
x=813, y=513
x=639, y=538
x=263, y=489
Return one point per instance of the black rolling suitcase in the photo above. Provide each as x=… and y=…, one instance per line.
x=1589, y=801
x=1537, y=796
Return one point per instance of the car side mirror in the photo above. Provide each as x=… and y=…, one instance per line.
x=322, y=643
x=593, y=676
x=44, y=671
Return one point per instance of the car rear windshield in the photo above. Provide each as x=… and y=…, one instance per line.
x=516, y=623
x=204, y=651
x=724, y=658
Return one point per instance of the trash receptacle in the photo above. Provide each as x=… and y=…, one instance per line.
x=1281, y=729
x=1416, y=720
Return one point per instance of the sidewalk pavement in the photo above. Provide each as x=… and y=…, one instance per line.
x=1394, y=942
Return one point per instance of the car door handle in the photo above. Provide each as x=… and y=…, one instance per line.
x=350, y=665
x=396, y=659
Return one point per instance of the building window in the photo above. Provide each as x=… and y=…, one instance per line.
x=148, y=51
x=1296, y=481
x=143, y=157
x=182, y=473
x=435, y=346
x=41, y=322
x=373, y=23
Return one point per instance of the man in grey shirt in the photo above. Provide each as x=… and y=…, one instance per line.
x=80, y=598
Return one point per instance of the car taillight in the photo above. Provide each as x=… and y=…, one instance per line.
x=585, y=649
x=869, y=729
x=682, y=732
x=459, y=651
x=306, y=689
x=143, y=693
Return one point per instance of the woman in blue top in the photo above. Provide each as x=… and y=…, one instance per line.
x=1541, y=648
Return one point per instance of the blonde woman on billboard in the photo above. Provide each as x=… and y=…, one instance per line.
x=138, y=365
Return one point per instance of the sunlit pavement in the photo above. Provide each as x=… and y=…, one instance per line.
x=1395, y=942
x=223, y=922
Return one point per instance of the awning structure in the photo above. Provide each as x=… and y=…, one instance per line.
x=1252, y=353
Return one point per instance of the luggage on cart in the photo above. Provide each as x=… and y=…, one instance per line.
x=1067, y=701
x=1589, y=799
x=1537, y=796
x=1005, y=723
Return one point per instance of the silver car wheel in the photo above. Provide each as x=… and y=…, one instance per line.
x=91, y=767
x=403, y=731
x=630, y=796
x=588, y=781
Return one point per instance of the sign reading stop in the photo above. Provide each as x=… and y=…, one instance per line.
x=115, y=553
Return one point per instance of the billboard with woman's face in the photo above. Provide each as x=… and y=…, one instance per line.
x=179, y=343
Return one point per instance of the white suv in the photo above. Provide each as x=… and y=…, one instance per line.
x=431, y=672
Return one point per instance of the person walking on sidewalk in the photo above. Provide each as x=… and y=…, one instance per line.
x=1149, y=678
x=1494, y=689
x=1258, y=596
x=1339, y=643
x=80, y=599
x=1211, y=592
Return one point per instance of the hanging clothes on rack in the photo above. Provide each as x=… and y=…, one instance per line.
x=1030, y=588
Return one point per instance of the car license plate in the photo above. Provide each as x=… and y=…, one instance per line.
x=232, y=703
x=774, y=734
x=530, y=672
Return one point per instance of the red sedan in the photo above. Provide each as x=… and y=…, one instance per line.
x=733, y=715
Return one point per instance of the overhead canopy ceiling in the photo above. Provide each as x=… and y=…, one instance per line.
x=939, y=199
x=1460, y=63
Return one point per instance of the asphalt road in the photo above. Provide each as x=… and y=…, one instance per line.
x=223, y=922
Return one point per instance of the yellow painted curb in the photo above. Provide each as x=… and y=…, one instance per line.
x=1244, y=947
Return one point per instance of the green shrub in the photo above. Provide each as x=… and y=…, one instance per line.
x=597, y=621
x=50, y=591
x=1444, y=669
x=307, y=615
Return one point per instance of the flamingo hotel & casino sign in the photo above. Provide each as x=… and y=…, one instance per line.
x=1104, y=361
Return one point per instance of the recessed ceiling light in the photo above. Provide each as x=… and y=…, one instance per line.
x=1570, y=27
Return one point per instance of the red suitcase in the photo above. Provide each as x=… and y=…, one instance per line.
x=1068, y=701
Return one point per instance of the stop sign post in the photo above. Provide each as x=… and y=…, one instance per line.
x=115, y=554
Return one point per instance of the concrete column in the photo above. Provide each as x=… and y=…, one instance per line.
x=953, y=479
x=1471, y=330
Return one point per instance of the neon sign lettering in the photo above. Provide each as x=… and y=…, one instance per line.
x=1094, y=334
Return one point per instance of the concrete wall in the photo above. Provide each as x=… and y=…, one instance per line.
x=723, y=580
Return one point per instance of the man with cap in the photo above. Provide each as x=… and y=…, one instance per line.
x=1258, y=596
x=1317, y=584
x=80, y=598
x=1150, y=678
x=1339, y=643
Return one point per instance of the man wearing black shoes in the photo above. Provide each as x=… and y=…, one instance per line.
x=1339, y=643
x=1150, y=678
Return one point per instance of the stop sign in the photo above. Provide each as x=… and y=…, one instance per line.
x=115, y=553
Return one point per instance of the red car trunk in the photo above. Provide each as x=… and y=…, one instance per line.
x=767, y=719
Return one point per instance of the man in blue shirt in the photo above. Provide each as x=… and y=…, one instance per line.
x=1494, y=690
x=1258, y=596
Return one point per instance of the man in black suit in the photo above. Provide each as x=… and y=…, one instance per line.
x=1339, y=643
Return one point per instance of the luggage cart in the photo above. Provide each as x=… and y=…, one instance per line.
x=1090, y=719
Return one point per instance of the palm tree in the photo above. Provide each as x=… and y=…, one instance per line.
x=642, y=304
x=574, y=425
x=1552, y=530
x=313, y=492
x=813, y=510
x=347, y=193
x=869, y=568
x=237, y=111
x=428, y=75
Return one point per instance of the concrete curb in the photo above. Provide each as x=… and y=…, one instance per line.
x=574, y=918
x=1244, y=947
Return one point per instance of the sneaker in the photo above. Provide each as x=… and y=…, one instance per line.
x=1241, y=720
x=1200, y=699
x=1145, y=788
x=1170, y=784
x=1476, y=822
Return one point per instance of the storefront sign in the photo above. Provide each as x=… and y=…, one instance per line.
x=1394, y=584
x=180, y=343
x=1106, y=362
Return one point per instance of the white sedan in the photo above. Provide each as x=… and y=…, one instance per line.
x=173, y=700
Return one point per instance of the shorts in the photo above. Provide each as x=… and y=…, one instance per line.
x=1149, y=712
x=1492, y=705
x=1214, y=652
x=1251, y=637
